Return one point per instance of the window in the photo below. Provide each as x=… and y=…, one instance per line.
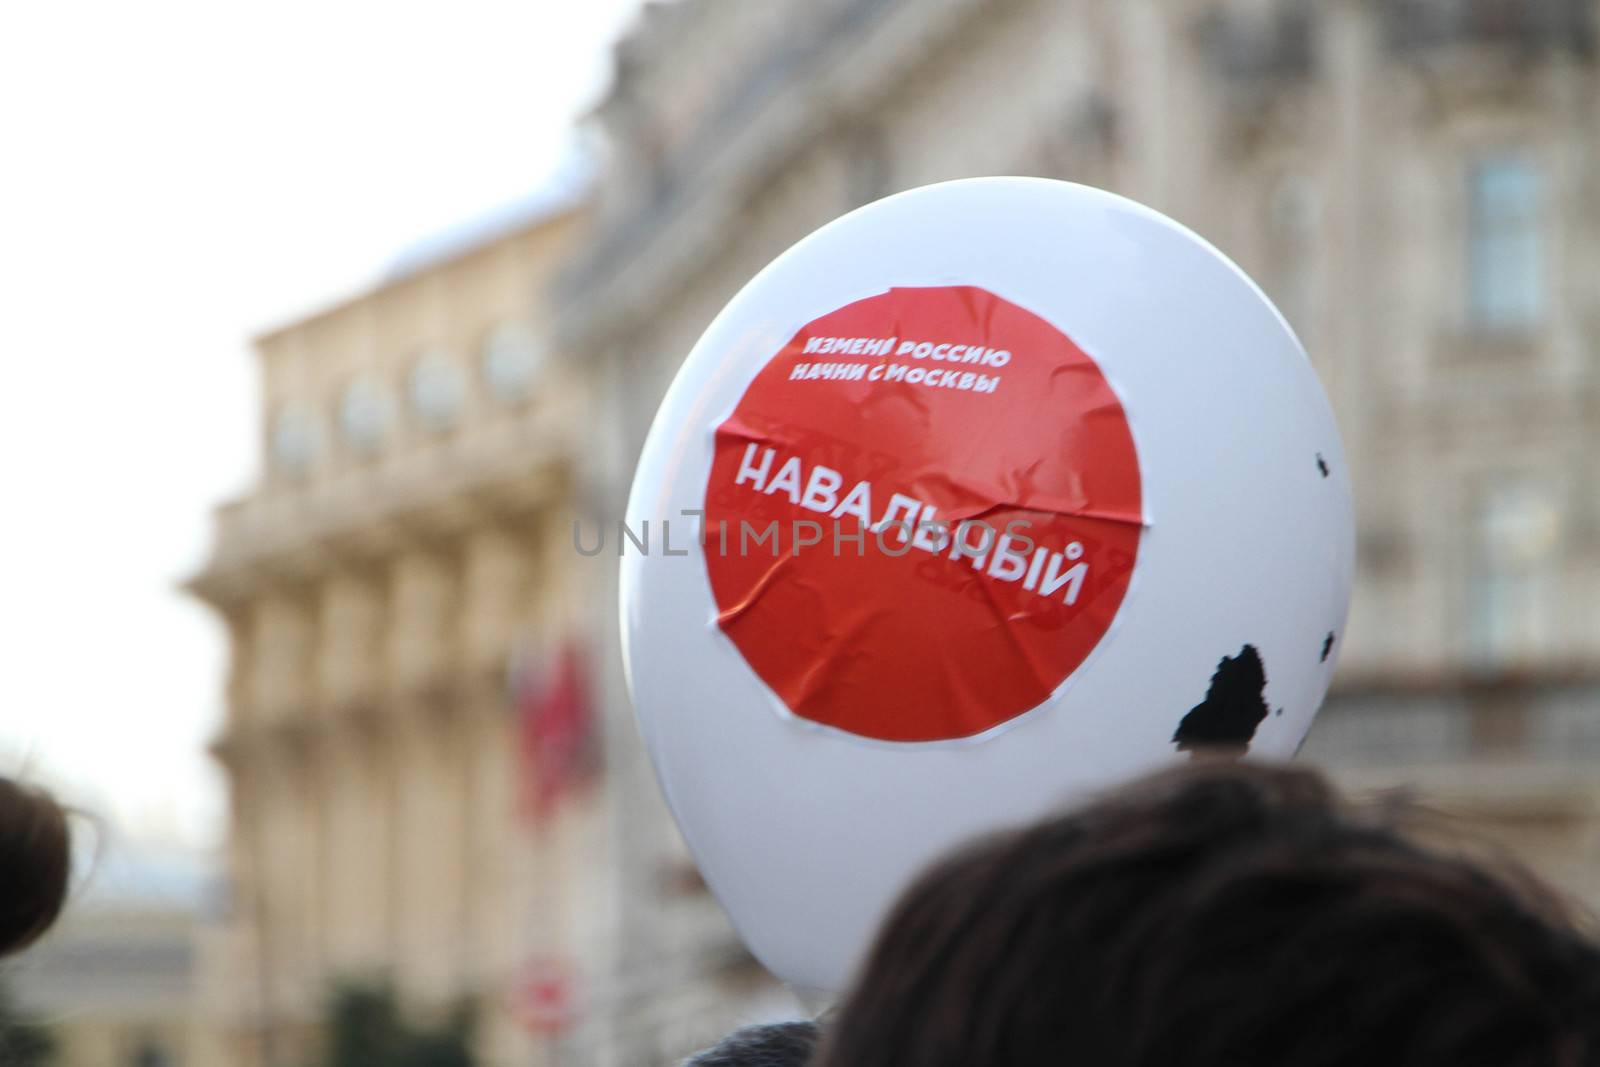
x=1516, y=533
x=512, y=360
x=150, y=1053
x=364, y=415
x=294, y=441
x=437, y=391
x=1505, y=253
x=1293, y=208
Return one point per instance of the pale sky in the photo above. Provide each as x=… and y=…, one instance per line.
x=174, y=177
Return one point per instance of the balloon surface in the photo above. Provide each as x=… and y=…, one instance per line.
x=983, y=497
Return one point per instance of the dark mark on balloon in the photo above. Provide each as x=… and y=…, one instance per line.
x=1327, y=647
x=1322, y=465
x=1235, y=705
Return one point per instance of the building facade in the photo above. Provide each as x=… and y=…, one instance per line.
x=392, y=587
x=1414, y=181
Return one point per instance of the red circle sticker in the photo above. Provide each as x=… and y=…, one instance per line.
x=923, y=515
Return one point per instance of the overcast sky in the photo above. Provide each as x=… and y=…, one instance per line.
x=177, y=176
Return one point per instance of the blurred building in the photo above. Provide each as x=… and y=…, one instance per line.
x=1417, y=182
x=116, y=981
x=397, y=588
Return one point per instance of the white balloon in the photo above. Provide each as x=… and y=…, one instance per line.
x=824, y=726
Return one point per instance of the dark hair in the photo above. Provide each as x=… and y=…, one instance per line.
x=1222, y=914
x=770, y=1045
x=35, y=855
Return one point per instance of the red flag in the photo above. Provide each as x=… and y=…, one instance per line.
x=557, y=731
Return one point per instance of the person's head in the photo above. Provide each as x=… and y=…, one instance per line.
x=1225, y=914
x=772, y=1045
x=35, y=857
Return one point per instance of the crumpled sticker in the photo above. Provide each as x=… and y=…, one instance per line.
x=923, y=515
